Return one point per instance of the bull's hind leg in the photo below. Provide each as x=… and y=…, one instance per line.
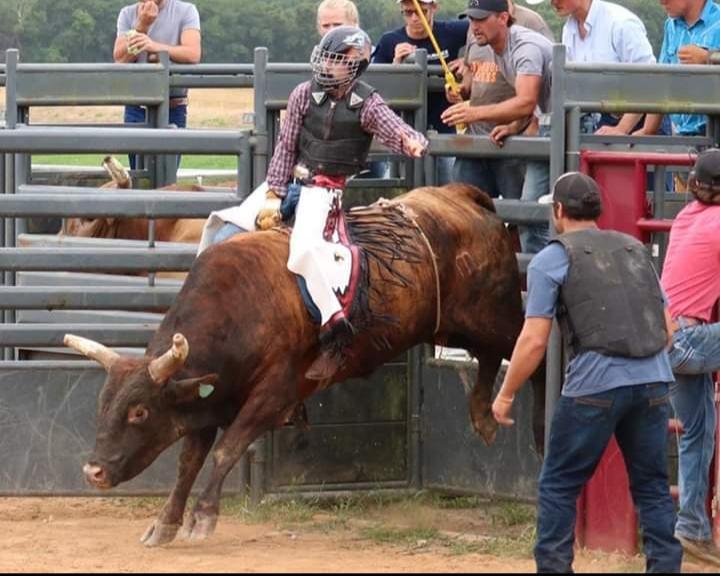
x=195, y=448
x=481, y=396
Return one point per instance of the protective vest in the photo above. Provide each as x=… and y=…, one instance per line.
x=612, y=301
x=332, y=140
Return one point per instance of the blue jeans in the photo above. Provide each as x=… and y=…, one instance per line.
x=444, y=170
x=497, y=177
x=694, y=355
x=381, y=169
x=535, y=237
x=580, y=432
x=136, y=115
x=376, y=169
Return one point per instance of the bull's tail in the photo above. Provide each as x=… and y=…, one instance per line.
x=478, y=196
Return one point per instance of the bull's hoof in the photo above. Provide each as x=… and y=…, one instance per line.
x=198, y=526
x=486, y=427
x=158, y=534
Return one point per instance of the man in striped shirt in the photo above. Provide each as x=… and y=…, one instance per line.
x=328, y=129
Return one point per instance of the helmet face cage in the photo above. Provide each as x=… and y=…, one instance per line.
x=332, y=70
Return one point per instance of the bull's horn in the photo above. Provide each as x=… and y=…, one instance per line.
x=162, y=367
x=117, y=172
x=98, y=352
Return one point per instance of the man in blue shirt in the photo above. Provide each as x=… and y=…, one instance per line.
x=692, y=31
x=602, y=287
x=396, y=45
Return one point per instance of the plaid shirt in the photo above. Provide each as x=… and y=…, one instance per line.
x=375, y=118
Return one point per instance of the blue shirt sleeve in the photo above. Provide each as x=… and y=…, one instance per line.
x=664, y=50
x=546, y=274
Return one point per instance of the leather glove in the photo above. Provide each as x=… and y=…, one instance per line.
x=269, y=214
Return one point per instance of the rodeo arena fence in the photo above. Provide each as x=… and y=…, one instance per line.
x=407, y=426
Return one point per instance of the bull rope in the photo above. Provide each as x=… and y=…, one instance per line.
x=381, y=235
x=438, y=309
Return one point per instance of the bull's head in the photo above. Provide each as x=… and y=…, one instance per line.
x=100, y=227
x=142, y=409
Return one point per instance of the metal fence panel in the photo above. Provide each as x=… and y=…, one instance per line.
x=47, y=417
x=454, y=456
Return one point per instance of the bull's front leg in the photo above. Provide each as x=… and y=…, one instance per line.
x=481, y=396
x=263, y=410
x=195, y=448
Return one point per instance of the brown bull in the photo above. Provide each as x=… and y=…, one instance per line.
x=232, y=351
x=166, y=229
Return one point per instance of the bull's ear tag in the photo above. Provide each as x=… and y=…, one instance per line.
x=205, y=390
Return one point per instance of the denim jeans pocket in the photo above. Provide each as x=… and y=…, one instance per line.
x=592, y=408
x=658, y=394
x=683, y=357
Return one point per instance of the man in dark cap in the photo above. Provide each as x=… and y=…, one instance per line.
x=602, y=288
x=691, y=279
x=524, y=58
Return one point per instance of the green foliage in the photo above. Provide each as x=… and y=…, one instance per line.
x=84, y=30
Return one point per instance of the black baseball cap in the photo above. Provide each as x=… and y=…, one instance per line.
x=481, y=9
x=707, y=167
x=577, y=190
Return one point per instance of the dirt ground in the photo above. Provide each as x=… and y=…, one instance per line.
x=208, y=108
x=102, y=535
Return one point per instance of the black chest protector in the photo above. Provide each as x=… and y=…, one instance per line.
x=611, y=302
x=332, y=140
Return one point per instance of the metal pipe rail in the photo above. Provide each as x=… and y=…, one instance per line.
x=647, y=88
x=212, y=75
x=51, y=140
x=51, y=335
x=87, y=298
x=53, y=240
x=96, y=259
x=476, y=146
x=93, y=202
x=521, y=212
x=84, y=84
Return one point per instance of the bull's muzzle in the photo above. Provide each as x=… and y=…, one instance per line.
x=97, y=476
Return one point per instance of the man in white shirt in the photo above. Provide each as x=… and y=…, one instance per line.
x=598, y=31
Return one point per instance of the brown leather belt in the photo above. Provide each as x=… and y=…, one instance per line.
x=175, y=102
x=680, y=322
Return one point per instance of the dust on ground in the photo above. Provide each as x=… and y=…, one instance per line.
x=425, y=533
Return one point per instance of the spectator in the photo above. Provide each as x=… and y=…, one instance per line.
x=396, y=45
x=692, y=31
x=334, y=13
x=604, y=291
x=484, y=83
x=152, y=26
x=524, y=58
x=691, y=279
x=530, y=19
x=597, y=31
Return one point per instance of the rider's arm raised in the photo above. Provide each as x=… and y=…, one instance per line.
x=377, y=118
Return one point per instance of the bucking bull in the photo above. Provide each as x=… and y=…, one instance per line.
x=232, y=351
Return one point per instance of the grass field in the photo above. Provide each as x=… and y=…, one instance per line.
x=94, y=160
x=212, y=108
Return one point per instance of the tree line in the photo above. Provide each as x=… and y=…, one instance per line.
x=84, y=30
